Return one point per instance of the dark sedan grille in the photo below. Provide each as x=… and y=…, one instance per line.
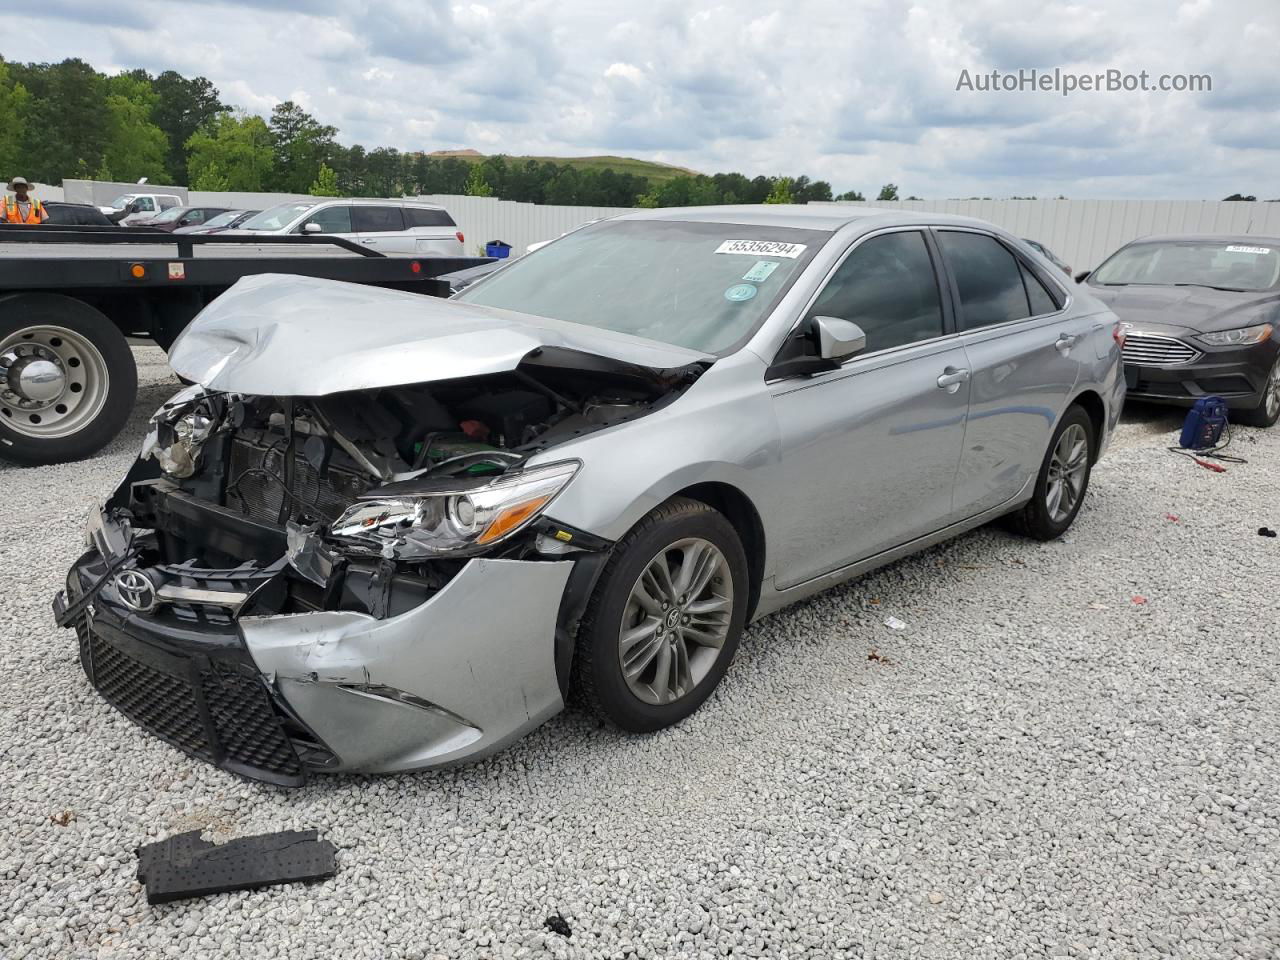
x=255, y=484
x=1150, y=350
x=216, y=715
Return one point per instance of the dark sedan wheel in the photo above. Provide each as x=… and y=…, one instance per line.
x=1063, y=479
x=665, y=618
x=1267, y=412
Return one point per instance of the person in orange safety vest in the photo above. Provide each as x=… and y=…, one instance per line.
x=21, y=207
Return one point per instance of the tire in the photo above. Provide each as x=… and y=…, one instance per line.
x=1267, y=412
x=88, y=381
x=1044, y=517
x=679, y=530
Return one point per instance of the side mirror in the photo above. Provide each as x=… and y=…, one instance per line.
x=838, y=339
x=1083, y=275
x=312, y=228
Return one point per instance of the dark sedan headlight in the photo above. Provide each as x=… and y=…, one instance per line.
x=455, y=519
x=1240, y=337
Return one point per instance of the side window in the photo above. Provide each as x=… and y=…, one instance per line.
x=376, y=219
x=167, y=202
x=888, y=288
x=195, y=216
x=989, y=279
x=1042, y=301
x=331, y=220
x=424, y=217
x=145, y=204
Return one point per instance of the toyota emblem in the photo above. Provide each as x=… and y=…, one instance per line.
x=136, y=591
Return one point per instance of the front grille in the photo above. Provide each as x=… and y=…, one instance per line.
x=1150, y=350
x=214, y=714
x=255, y=483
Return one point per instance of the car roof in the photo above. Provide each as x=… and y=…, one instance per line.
x=805, y=216
x=370, y=201
x=1242, y=238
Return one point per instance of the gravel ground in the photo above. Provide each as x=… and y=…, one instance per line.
x=1039, y=764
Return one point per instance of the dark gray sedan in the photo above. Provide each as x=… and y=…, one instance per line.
x=1200, y=316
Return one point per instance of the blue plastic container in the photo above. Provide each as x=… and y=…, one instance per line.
x=496, y=248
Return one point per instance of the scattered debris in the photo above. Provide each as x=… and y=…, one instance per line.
x=1139, y=600
x=1266, y=532
x=875, y=656
x=1099, y=606
x=62, y=819
x=935, y=897
x=556, y=923
x=893, y=623
x=187, y=866
x=1173, y=518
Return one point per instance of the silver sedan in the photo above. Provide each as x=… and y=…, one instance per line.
x=385, y=532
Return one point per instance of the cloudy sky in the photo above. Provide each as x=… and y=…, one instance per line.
x=857, y=92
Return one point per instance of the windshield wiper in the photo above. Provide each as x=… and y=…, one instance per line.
x=1210, y=286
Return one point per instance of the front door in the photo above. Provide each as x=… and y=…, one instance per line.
x=870, y=450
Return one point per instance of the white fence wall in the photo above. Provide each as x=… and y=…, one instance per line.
x=483, y=219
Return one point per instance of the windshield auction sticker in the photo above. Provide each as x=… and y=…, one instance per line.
x=1260, y=250
x=760, y=272
x=762, y=248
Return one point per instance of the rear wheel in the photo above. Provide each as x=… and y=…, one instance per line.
x=1267, y=412
x=1063, y=479
x=665, y=619
x=67, y=379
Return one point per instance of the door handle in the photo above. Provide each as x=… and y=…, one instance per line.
x=1066, y=341
x=370, y=242
x=952, y=378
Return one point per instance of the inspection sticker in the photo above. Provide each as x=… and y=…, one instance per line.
x=177, y=271
x=760, y=272
x=762, y=248
x=1262, y=250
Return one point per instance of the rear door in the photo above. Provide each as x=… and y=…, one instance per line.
x=1025, y=355
x=870, y=449
x=432, y=232
x=381, y=227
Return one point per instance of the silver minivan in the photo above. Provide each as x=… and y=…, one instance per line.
x=385, y=532
x=404, y=228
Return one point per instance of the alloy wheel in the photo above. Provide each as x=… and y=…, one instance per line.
x=1067, y=468
x=53, y=382
x=676, y=621
x=1273, y=392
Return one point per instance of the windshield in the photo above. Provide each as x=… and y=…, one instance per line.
x=706, y=286
x=222, y=219
x=170, y=215
x=280, y=216
x=122, y=201
x=1234, y=265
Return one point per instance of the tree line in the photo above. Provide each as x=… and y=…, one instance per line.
x=69, y=120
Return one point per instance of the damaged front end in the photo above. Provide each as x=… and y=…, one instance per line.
x=359, y=581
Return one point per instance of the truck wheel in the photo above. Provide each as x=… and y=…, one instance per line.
x=67, y=379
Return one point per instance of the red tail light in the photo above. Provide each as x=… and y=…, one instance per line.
x=415, y=266
x=461, y=238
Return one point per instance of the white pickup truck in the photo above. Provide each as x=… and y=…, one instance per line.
x=130, y=207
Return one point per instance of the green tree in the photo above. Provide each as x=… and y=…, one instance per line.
x=65, y=132
x=326, y=183
x=183, y=106
x=888, y=192
x=233, y=148
x=851, y=195
x=301, y=145
x=135, y=147
x=14, y=103
x=781, y=192
x=477, y=185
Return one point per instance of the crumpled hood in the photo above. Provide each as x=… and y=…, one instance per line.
x=281, y=335
x=1199, y=309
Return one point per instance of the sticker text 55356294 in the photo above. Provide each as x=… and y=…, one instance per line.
x=762, y=248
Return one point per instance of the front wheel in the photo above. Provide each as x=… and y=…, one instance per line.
x=67, y=379
x=1267, y=412
x=665, y=618
x=1063, y=479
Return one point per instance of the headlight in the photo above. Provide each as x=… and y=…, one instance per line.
x=180, y=428
x=456, y=518
x=1237, y=338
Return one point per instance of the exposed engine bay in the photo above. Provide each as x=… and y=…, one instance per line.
x=369, y=500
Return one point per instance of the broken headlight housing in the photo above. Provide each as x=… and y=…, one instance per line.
x=450, y=517
x=179, y=429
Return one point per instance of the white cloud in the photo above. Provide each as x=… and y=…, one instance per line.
x=858, y=92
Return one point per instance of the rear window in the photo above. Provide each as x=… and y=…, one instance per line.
x=424, y=217
x=376, y=219
x=988, y=277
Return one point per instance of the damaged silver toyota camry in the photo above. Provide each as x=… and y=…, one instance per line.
x=384, y=532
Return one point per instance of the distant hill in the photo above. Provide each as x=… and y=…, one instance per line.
x=656, y=173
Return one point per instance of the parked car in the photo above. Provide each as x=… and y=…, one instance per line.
x=76, y=215
x=1048, y=254
x=176, y=217
x=130, y=207
x=1200, y=315
x=227, y=220
x=393, y=227
x=380, y=546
